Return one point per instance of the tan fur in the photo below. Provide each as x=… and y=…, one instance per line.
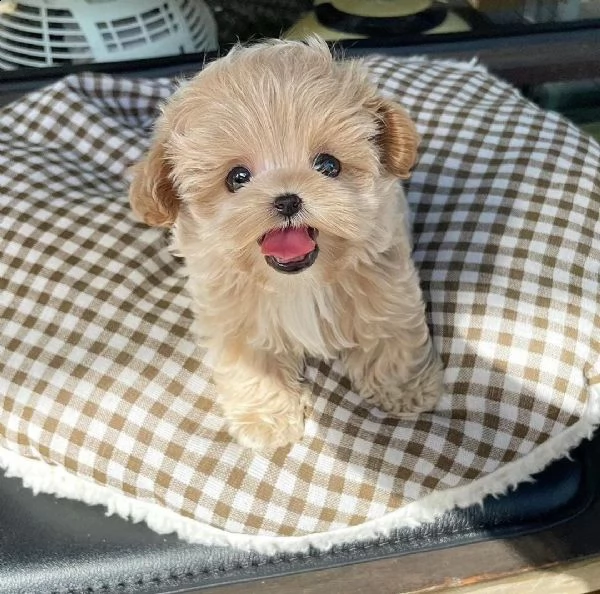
x=271, y=108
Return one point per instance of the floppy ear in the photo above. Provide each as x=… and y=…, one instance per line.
x=152, y=195
x=398, y=138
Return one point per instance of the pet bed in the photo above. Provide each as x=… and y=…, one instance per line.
x=105, y=398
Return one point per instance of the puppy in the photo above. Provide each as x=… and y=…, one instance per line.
x=277, y=169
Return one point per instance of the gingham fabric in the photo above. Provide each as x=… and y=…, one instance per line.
x=99, y=372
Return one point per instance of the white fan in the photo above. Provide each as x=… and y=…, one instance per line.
x=54, y=32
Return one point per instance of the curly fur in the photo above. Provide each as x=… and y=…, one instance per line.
x=272, y=107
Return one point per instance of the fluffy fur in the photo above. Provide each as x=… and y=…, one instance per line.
x=272, y=108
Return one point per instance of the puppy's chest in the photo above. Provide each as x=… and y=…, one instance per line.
x=303, y=318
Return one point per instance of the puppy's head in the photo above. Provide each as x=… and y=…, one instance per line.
x=276, y=157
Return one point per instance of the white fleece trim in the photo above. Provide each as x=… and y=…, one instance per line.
x=44, y=478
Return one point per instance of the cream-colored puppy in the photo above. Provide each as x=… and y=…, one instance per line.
x=277, y=169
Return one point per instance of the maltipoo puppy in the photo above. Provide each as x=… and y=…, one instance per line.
x=277, y=169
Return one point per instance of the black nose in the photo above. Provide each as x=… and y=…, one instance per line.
x=288, y=204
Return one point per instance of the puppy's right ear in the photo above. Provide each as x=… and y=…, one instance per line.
x=398, y=138
x=152, y=196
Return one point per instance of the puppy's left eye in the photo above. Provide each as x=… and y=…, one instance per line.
x=237, y=177
x=326, y=164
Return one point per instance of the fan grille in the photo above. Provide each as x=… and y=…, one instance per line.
x=34, y=34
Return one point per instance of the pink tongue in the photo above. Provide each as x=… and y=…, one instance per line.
x=287, y=244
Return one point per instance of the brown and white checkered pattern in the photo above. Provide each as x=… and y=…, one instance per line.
x=99, y=372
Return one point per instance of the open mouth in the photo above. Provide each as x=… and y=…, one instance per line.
x=291, y=249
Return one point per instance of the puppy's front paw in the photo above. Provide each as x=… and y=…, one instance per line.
x=262, y=398
x=263, y=432
x=409, y=399
x=263, y=415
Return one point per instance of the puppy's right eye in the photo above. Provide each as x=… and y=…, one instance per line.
x=237, y=177
x=326, y=164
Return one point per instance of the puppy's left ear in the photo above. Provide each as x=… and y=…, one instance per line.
x=397, y=138
x=152, y=195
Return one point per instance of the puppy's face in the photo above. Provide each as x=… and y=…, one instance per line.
x=276, y=158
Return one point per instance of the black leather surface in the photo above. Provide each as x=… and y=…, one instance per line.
x=50, y=546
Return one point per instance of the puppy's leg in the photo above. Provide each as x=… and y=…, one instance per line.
x=262, y=397
x=395, y=365
x=402, y=375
